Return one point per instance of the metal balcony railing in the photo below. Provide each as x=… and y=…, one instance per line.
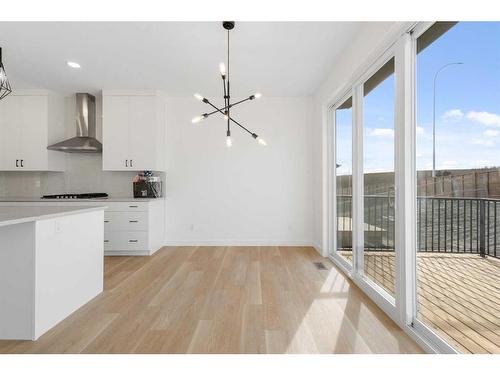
x=444, y=224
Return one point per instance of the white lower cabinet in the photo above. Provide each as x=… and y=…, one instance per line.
x=133, y=228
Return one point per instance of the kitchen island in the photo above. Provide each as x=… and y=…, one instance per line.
x=51, y=263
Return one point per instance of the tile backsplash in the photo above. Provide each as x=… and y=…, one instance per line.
x=83, y=174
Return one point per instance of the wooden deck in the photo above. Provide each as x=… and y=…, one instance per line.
x=458, y=294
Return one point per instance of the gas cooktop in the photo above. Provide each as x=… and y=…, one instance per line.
x=76, y=196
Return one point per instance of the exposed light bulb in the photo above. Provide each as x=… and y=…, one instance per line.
x=262, y=142
x=222, y=68
x=198, y=96
x=226, y=117
x=229, y=142
x=258, y=95
x=197, y=119
x=73, y=64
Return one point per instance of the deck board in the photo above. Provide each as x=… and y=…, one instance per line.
x=458, y=295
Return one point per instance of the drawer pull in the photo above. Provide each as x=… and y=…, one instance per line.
x=106, y=240
x=133, y=206
x=132, y=241
x=106, y=221
x=133, y=221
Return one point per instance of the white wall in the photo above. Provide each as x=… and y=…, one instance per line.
x=371, y=40
x=248, y=194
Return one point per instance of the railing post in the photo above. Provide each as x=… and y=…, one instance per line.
x=482, y=228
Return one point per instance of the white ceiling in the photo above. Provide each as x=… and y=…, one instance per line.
x=275, y=58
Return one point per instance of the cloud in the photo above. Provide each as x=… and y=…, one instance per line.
x=483, y=142
x=381, y=132
x=420, y=130
x=453, y=114
x=485, y=118
x=491, y=133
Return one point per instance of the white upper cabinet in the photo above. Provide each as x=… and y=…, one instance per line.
x=30, y=120
x=133, y=131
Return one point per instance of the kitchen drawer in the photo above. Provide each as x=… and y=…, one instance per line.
x=126, y=241
x=127, y=206
x=125, y=221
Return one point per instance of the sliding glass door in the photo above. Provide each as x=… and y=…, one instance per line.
x=415, y=193
x=378, y=177
x=458, y=184
x=343, y=179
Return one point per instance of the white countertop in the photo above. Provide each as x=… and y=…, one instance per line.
x=13, y=214
x=100, y=200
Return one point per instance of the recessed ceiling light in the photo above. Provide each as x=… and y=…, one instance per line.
x=73, y=64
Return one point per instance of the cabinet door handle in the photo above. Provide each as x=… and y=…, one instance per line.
x=22, y=166
x=131, y=165
x=132, y=240
x=126, y=163
x=17, y=163
x=133, y=221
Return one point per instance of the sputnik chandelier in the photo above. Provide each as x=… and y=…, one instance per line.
x=226, y=110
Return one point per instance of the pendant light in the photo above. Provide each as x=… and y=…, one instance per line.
x=5, y=88
x=225, y=111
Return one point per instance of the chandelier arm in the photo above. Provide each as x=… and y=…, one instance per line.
x=239, y=102
x=224, y=108
x=241, y=126
x=231, y=119
x=216, y=109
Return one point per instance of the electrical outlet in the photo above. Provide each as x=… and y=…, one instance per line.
x=58, y=226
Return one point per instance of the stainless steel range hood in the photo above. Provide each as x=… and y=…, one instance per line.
x=85, y=140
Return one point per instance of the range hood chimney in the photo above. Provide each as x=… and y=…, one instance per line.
x=85, y=140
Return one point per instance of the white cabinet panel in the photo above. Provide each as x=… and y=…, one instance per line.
x=10, y=132
x=115, y=133
x=133, y=131
x=33, y=148
x=127, y=221
x=128, y=206
x=24, y=131
x=142, y=132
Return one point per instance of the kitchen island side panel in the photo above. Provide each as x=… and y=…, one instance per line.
x=17, y=246
x=69, y=266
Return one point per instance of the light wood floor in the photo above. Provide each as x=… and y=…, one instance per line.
x=458, y=296
x=224, y=300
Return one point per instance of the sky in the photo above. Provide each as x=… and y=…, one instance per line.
x=467, y=106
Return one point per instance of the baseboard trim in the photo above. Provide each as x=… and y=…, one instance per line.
x=128, y=253
x=238, y=243
x=318, y=248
